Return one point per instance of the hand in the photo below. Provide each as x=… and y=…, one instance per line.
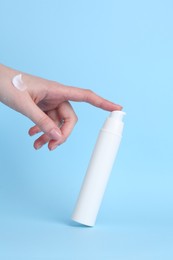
x=46, y=103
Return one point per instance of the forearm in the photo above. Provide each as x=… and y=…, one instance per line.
x=5, y=75
x=6, y=72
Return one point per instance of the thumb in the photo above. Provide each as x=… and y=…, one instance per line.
x=43, y=121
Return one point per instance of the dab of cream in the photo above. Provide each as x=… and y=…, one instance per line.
x=18, y=82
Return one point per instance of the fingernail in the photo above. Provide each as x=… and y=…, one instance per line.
x=120, y=107
x=53, y=147
x=55, y=134
x=38, y=146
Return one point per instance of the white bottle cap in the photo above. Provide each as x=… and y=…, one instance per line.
x=114, y=123
x=118, y=115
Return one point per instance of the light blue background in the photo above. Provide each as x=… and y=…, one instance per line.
x=123, y=50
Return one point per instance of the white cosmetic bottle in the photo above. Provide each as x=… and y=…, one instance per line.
x=99, y=170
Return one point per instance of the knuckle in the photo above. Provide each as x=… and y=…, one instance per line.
x=75, y=118
x=88, y=94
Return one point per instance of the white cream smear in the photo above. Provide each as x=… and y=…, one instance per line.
x=18, y=82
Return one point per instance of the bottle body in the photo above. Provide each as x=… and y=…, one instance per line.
x=97, y=174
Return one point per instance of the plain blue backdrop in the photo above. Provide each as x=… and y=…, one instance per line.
x=123, y=50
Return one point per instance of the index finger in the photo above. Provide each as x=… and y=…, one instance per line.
x=87, y=95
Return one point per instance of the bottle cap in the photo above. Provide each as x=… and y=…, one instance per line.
x=118, y=115
x=114, y=123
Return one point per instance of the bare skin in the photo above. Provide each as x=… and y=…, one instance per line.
x=47, y=104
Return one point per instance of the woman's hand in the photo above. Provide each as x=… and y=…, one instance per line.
x=46, y=103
